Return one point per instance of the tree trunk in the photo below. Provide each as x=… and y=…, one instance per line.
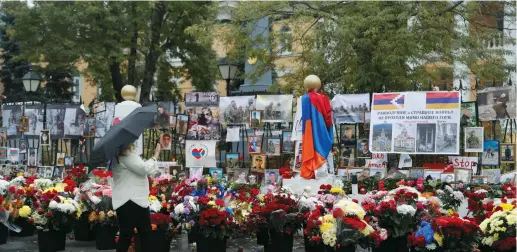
x=131, y=64
x=116, y=78
x=159, y=12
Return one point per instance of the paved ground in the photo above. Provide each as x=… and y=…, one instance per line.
x=15, y=244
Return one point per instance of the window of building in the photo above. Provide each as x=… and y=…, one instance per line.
x=285, y=41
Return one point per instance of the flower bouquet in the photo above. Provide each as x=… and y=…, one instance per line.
x=458, y=234
x=105, y=224
x=498, y=231
x=241, y=198
x=450, y=198
x=163, y=230
x=18, y=199
x=93, y=197
x=350, y=227
x=312, y=235
x=213, y=225
x=4, y=213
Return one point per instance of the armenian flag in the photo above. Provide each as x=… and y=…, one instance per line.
x=392, y=101
x=317, y=133
x=442, y=100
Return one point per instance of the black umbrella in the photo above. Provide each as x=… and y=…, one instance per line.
x=125, y=132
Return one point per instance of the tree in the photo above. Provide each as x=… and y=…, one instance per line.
x=370, y=46
x=58, y=84
x=121, y=42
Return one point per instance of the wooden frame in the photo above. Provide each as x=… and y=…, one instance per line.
x=286, y=133
x=458, y=177
x=275, y=153
x=502, y=152
x=258, y=143
x=255, y=125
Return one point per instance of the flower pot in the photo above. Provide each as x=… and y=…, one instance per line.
x=27, y=228
x=263, y=236
x=59, y=239
x=191, y=236
x=159, y=242
x=46, y=241
x=4, y=231
x=105, y=238
x=280, y=241
x=210, y=244
x=82, y=230
x=348, y=248
x=398, y=244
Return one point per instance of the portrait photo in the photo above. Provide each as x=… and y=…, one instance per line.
x=463, y=175
x=196, y=172
x=435, y=174
x=58, y=173
x=44, y=138
x=49, y=171
x=362, y=149
x=496, y=103
x=377, y=172
x=3, y=136
x=69, y=162
x=447, y=177
x=493, y=175
x=258, y=162
x=237, y=109
x=175, y=170
x=273, y=147
x=60, y=159
x=468, y=114
x=426, y=135
x=490, y=155
x=103, y=120
x=89, y=127
x=404, y=139
x=23, y=146
x=56, y=119
x=172, y=121
x=272, y=177
x=254, y=144
x=74, y=121
x=348, y=135
x=381, y=137
x=287, y=142
x=216, y=173
x=165, y=141
x=203, y=123
x=33, y=157
x=347, y=156
x=240, y=175
x=277, y=108
x=24, y=124
x=10, y=118
x=36, y=117
x=473, y=139
x=255, y=119
x=181, y=124
x=161, y=119
x=232, y=161
x=507, y=153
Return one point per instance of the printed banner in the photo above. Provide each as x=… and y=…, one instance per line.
x=415, y=123
x=56, y=120
x=276, y=108
x=11, y=118
x=75, y=117
x=464, y=162
x=350, y=108
x=35, y=114
x=200, y=153
x=202, y=99
x=236, y=109
x=103, y=119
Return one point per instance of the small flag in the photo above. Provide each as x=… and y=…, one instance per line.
x=442, y=100
x=392, y=101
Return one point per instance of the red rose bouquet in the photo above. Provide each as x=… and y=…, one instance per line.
x=164, y=223
x=397, y=220
x=455, y=234
x=280, y=212
x=312, y=231
x=214, y=222
x=77, y=174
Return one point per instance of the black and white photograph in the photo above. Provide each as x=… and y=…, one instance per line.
x=35, y=113
x=32, y=160
x=56, y=120
x=203, y=123
x=201, y=99
x=473, y=139
x=181, y=124
x=232, y=162
x=463, y=175
x=175, y=170
x=236, y=109
x=497, y=103
x=74, y=121
x=240, y=176
x=426, y=135
x=104, y=119
x=468, y=114
x=347, y=157
x=404, y=137
x=350, y=108
x=507, y=153
x=11, y=118
x=23, y=146
x=490, y=155
x=49, y=172
x=276, y=108
x=89, y=127
x=348, y=135
x=44, y=139
x=446, y=138
x=287, y=142
x=41, y=171
x=58, y=173
x=381, y=137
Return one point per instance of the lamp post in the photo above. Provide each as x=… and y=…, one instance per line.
x=228, y=72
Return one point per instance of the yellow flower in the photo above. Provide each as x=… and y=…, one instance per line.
x=325, y=227
x=111, y=213
x=102, y=215
x=367, y=230
x=56, y=188
x=506, y=206
x=484, y=225
x=20, y=174
x=511, y=218
x=337, y=190
x=438, y=238
x=450, y=212
x=92, y=217
x=152, y=197
x=25, y=211
x=211, y=203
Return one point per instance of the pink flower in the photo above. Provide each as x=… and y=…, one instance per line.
x=420, y=206
x=383, y=234
x=107, y=192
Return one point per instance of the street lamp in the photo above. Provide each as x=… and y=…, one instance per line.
x=31, y=81
x=228, y=72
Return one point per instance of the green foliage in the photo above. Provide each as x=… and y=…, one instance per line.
x=358, y=46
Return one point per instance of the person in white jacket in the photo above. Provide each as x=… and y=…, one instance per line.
x=130, y=195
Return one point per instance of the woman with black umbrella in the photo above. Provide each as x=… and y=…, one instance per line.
x=130, y=195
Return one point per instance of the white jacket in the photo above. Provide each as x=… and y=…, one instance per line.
x=130, y=180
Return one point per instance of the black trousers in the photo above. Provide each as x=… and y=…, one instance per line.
x=131, y=216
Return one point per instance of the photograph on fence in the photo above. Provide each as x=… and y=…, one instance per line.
x=74, y=120
x=35, y=114
x=276, y=108
x=497, y=103
x=11, y=118
x=55, y=120
x=350, y=108
x=236, y=109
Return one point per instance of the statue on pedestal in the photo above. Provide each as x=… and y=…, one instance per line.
x=317, y=133
x=124, y=108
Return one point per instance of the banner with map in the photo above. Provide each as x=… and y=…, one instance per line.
x=415, y=123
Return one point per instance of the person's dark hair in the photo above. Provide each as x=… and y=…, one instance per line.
x=272, y=173
x=167, y=135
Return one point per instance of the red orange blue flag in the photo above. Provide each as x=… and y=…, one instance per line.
x=317, y=133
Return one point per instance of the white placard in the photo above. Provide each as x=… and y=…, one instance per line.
x=405, y=161
x=415, y=123
x=200, y=153
x=464, y=162
x=297, y=125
